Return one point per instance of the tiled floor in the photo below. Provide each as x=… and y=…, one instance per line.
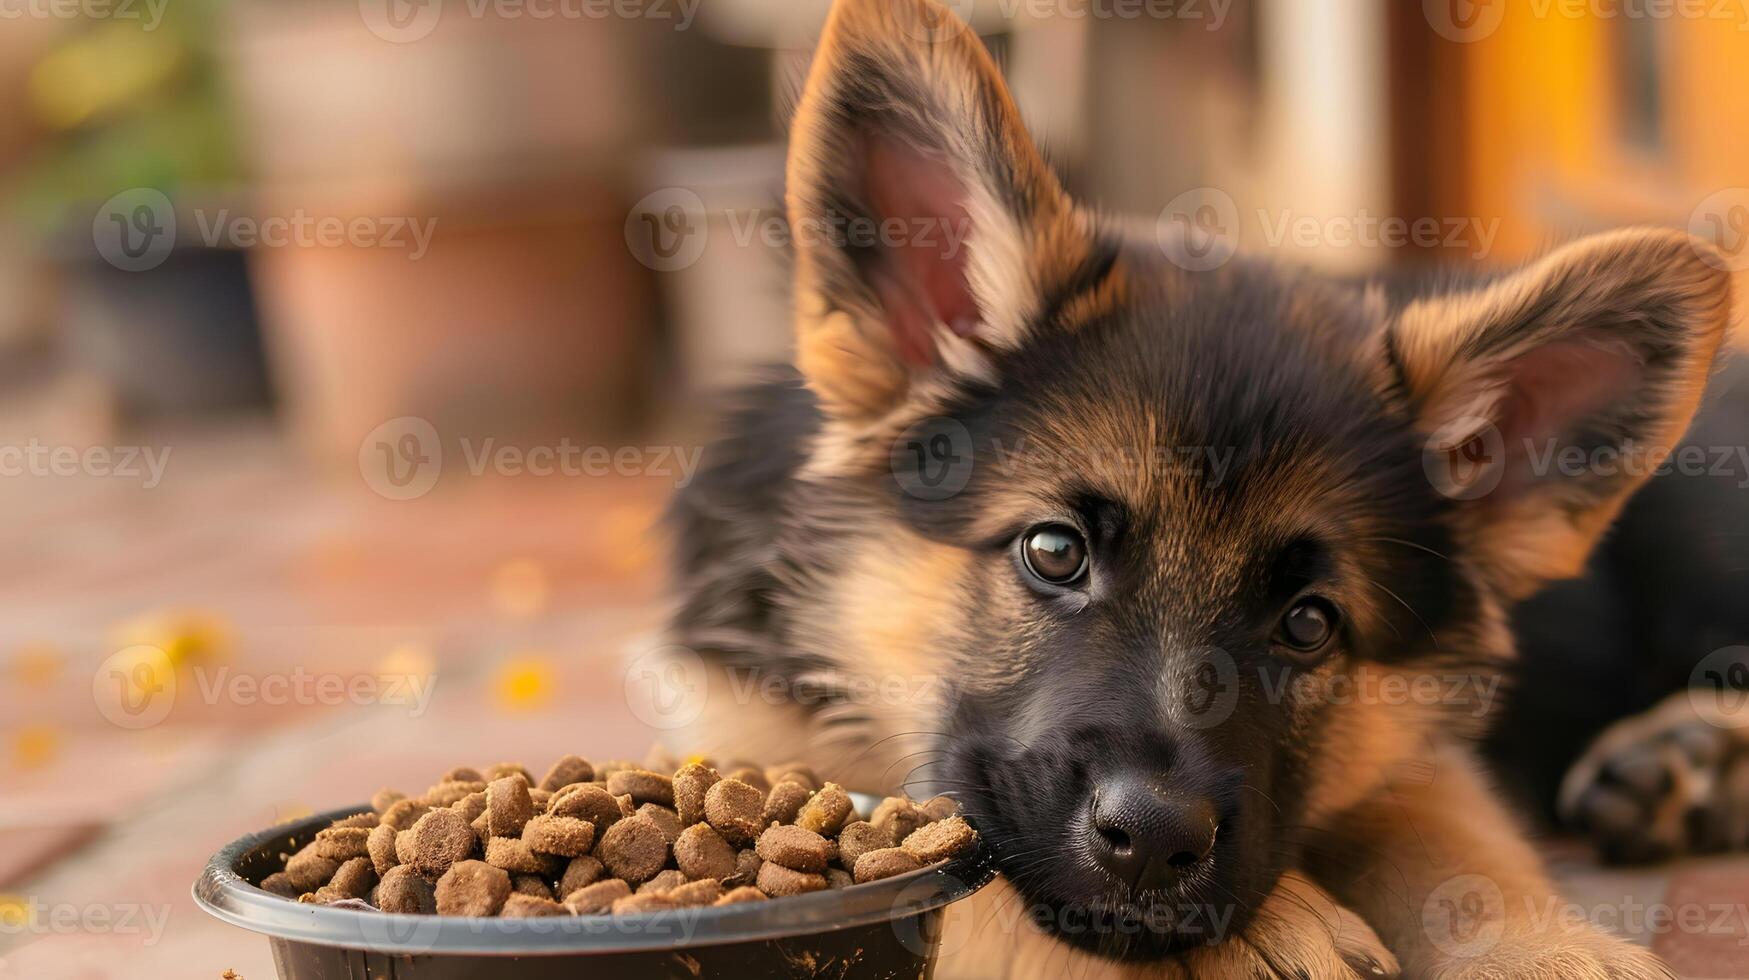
x=514, y=600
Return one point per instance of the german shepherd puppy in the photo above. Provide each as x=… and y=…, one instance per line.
x=1192, y=587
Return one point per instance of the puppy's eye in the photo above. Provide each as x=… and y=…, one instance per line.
x=1308, y=626
x=1055, y=553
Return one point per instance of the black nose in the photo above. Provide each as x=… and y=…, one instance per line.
x=1147, y=836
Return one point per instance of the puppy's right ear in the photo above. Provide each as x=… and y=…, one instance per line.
x=930, y=234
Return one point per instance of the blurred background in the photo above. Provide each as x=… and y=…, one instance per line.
x=349, y=349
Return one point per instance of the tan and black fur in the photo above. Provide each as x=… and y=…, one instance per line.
x=1225, y=441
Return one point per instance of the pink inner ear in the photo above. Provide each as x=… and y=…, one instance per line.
x=1550, y=391
x=920, y=205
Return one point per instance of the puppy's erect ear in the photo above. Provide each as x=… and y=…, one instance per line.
x=1551, y=395
x=930, y=234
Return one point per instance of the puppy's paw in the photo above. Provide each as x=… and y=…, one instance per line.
x=1671, y=781
x=1298, y=933
x=1582, y=954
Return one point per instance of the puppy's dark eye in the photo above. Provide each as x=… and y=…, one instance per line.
x=1055, y=553
x=1308, y=626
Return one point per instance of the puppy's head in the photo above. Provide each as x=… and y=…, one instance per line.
x=1184, y=547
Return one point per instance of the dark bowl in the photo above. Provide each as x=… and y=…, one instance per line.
x=888, y=928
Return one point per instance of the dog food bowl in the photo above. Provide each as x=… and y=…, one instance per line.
x=888, y=929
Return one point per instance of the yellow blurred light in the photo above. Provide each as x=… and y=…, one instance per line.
x=14, y=912
x=109, y=68
x=35, y=747
x=186, y=637
x=37, y=666
x=630, y=538
x=524, y=683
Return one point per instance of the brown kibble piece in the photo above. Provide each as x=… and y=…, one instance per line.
x=826, y=811
x=643, y=786
x=463, y=774
x=402, y=815
x=793, y=847
x=627, y=806
x=581, y=872
x=569, y=769
x=365, y=820
x=778, y=881
x=646, y=902
x=508, y=806
x=443, y=794
x=564, y=836
x=940, y=840
x=402, y=890
x=470, y=806
x=662, y=817
x=472, y=888
x=939, y=808
x=747, y=864
x=752, y=776
x=701, y=852
x=482, y=832
x=735, y=809
x=526, y=884
x=522, y=906
x=857, y=839
x=309, y=870
x=795, y=772
x=839, y=878
x=633, y=849
x=342, y=843
x=438, y=840
x=663, y=881
x=701, y=892
x=385, y=798
x=745, y=893
x=514, y=854
x=586, y=801
x=690, y=785
x=281, y=884
x=515, y=770
x=404, y=846
x=381, y=846
x=598, y=898
x=785, y=800
x=885, y=863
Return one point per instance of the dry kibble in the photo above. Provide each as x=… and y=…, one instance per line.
x=644, y=902
x=309, y=870
x=342, y=843
x=563, y=836
x=365, y=820
x=438, y=840
x=939, y=808
x=514, y=854
x=580, y=872
x=940, y=840
x=778, y=881
x=898, y=817
x=463, y=774
x=470, y=806
x=745, y=893
x=385, y=798
x=690, y=785
x=795, y=772
x=569, y=769
x=403, y=814
x=404, y=846
x=839, y=878
x=508, y=806
x=736, y=810
x=482, y=832
x=472, y=888
x=701, y=892
x=826, y=811
x=510, y=769
x=643, y=786
x=633, y=849
x=662, y=817
x=752, y=776
x=381, y=847
x=541, y=798
x=402, y=890
x=521, y=906
x=281, y=884
x=857, y=839
x=885, y=863
x=747, y=864
x=443, y=794
x=586, y=801
x=526, y=884
x=663, y=881
x=785, y=801
x=597, y=898
x=793, y=847
x=701, y=852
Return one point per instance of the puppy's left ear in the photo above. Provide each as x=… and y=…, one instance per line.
x=1550, y=396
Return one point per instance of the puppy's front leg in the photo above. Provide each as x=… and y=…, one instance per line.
x=1298, y=933
x=1443, y=874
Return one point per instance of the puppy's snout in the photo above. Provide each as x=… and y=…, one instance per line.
x=1147, y=837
